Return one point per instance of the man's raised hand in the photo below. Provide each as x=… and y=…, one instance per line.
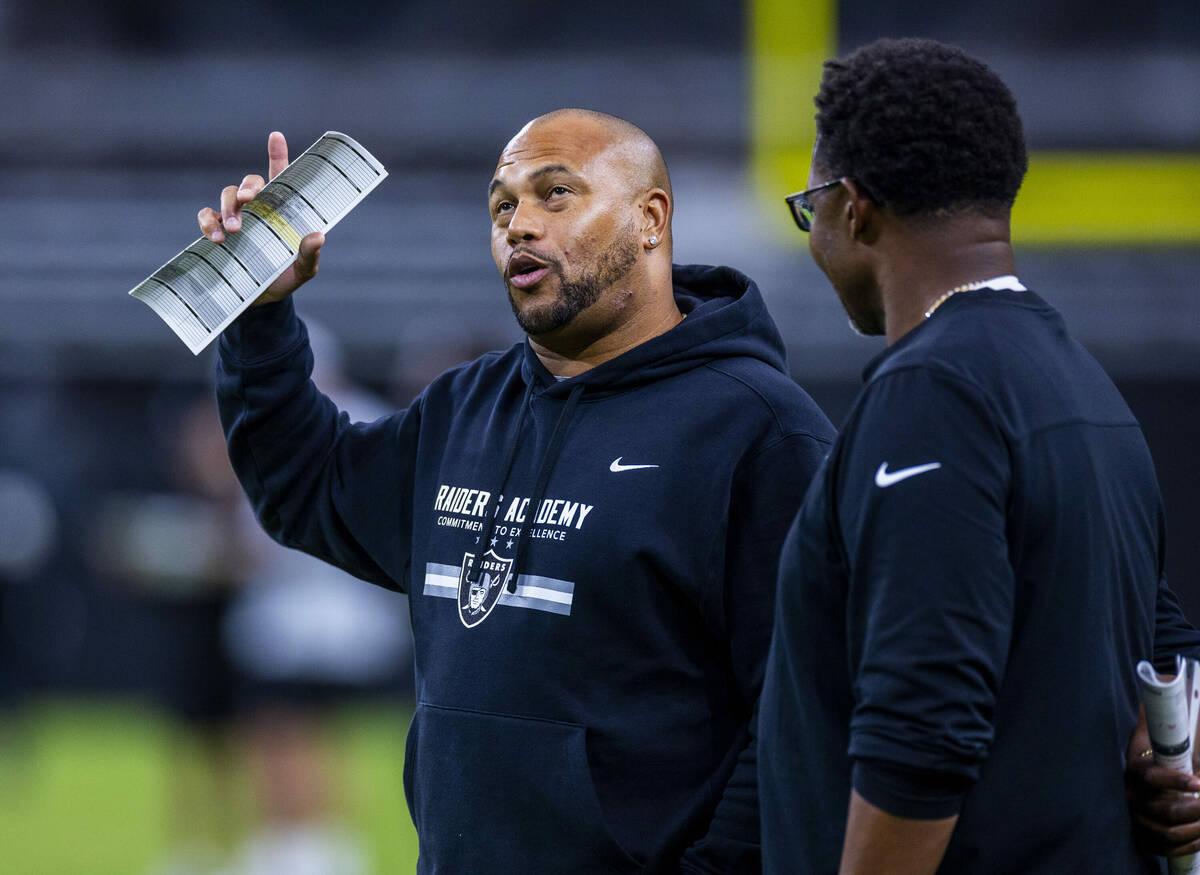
x=215, y=225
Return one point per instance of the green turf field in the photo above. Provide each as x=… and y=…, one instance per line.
x=85, y=788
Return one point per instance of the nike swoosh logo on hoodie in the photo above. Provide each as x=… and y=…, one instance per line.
x=885, y=478
x=616, y=467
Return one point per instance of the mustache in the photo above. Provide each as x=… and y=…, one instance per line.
x=526, y=257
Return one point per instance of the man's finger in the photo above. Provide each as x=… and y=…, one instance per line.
x=250, y=187
x=231, y=210
x=1163, y=778
x=308, y=256
x=277, y=154
x=1190, y=848
x=1169, y=808
x=210, y=224
x=1169, y=837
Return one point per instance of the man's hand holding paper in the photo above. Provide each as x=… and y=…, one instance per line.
x=1163, y=797
x=215, y=225
x=264, y=240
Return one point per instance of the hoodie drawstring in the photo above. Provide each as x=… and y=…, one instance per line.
x=514, y=444
x=557, y=439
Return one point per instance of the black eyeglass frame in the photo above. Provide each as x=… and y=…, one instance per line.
x=801, y=206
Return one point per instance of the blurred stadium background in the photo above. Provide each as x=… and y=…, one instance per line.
x=133, y=738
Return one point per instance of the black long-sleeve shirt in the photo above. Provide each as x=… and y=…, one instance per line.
x=963, y=600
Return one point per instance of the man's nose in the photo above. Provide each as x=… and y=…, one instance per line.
x=524, y=224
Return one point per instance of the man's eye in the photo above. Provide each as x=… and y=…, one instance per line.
x=503, y=207
x=559, y=189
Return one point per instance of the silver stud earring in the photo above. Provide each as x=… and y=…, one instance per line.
x=653, y=241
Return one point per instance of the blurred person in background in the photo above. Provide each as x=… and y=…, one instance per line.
x=978, y=568
x=183, y=553
x=29, y=532
x=306, y=639
x=587, y=524
x=247, y=675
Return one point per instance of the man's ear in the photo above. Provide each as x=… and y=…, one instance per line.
x=861, y=213
x=656, y=217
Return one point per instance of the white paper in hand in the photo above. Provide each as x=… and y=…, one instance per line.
x=206, y=286
x=1172, y=708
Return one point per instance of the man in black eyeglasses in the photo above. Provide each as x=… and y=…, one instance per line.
x=978, y=568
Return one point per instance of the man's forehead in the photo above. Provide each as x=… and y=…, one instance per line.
x=572, y=143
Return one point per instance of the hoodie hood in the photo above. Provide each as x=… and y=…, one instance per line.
x=726, y=317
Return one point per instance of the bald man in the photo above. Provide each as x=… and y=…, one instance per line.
x=587, y=524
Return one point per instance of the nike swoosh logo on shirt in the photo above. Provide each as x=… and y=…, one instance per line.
x=885, y=478
x=616, y=467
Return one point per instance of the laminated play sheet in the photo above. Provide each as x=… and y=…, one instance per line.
x=206, y=286
x=1172, y=711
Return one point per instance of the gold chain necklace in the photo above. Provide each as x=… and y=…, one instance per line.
x=965, y=287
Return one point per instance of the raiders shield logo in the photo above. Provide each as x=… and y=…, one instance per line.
x=480, y=583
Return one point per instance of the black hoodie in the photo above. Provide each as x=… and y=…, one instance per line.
x=590, y=564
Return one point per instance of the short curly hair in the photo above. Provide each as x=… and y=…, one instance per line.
x=923, y=127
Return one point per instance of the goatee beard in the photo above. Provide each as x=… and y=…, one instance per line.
x=576, y=295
